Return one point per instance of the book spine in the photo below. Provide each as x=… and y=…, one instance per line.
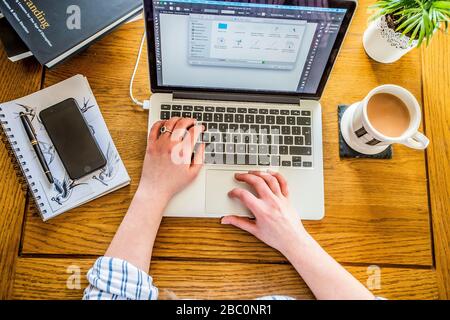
x=20, y=165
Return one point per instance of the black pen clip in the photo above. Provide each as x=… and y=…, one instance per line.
x=21, y=114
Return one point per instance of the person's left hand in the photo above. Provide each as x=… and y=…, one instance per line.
x=169, y=164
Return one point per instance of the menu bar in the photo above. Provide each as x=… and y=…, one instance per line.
x=254, y=5
x=309, y=13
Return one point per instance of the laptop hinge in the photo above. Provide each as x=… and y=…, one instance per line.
x=241, y=97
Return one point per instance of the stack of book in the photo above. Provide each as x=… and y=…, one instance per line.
x=54, y=30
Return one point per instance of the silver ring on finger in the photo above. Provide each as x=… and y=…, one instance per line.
x=164, y=129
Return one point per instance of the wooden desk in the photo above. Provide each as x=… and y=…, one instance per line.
x=378, y=212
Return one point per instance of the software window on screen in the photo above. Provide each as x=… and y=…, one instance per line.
x=244, y=46
x=244, y=42
x=234, y=52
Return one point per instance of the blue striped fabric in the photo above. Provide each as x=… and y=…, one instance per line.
x=116, y=279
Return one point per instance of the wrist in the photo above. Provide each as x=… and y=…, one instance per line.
x=153, y=200
x=298, y=244
x=152, y=193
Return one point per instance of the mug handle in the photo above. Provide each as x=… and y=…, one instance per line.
x=418, y=141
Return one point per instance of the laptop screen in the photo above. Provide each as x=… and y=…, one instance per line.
x=245, y=46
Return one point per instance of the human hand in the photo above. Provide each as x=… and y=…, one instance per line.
x=276, y=222
x=169, y=164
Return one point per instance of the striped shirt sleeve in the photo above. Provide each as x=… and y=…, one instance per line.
x=117, y=279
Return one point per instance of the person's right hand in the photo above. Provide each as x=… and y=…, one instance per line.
x=276, y=221
x=171, y=162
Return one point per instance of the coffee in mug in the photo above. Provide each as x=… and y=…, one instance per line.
x=389, y=114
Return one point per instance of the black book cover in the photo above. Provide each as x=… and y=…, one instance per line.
x=55, y=29
x=14, y=47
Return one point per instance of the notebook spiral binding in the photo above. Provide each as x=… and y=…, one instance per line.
x=22, y=172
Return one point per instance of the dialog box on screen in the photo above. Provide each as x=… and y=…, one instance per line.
x=246, y=42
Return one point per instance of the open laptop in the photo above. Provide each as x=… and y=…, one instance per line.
x=252, y=73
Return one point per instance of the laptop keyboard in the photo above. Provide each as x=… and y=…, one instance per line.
x=251, y=136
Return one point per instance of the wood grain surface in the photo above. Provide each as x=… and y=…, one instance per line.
x=436, y=84
x=376, y=211
x=16, y=80
x=44, y=278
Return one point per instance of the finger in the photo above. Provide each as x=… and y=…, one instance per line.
x=193, y=136
x=260, y=186
x=189, y=145
x=282, y=182
x=240, y=222
x=197, y=162
x=181, y=128
x=247, y=199
x=271, y=181
x=170, y=125
x=154, y=131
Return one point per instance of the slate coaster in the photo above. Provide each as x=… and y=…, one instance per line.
x=346, y=152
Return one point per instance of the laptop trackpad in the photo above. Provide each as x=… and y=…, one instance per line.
x=218, y=184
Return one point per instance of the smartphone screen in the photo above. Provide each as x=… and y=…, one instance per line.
x=72, y=138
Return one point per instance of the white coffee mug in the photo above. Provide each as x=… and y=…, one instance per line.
x=360, y=134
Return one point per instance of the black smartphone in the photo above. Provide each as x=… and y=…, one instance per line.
x=72, y=138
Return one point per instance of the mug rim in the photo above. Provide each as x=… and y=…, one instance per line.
x=414, y=126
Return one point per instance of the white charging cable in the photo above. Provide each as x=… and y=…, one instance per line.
x=146, y=103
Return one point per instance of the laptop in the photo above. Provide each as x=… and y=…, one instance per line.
x=253, y=74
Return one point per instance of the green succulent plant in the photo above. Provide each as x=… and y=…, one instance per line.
x=418, y=19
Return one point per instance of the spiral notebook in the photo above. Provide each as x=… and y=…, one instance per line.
x=65, y=194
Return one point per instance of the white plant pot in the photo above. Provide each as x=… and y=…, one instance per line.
x=384, y=44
